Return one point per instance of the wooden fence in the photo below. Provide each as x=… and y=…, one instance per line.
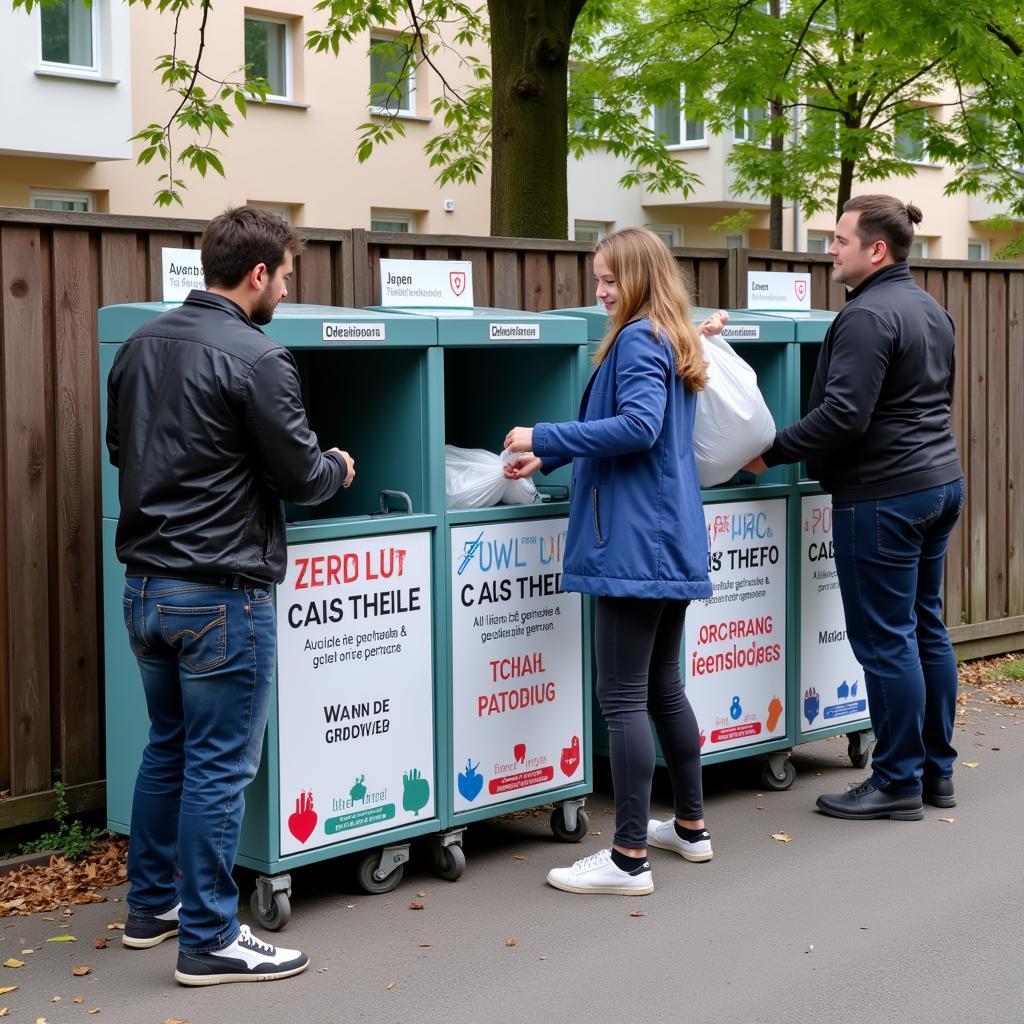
x=57, y=269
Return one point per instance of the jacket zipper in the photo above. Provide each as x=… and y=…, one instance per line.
x=597, y=521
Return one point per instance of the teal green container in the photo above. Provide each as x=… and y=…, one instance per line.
x=350, y=762
x=516, y=696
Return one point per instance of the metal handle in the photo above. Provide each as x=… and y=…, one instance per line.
x=385, y=505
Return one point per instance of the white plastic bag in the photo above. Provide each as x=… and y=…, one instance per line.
x=475, y=478
x=733, y=423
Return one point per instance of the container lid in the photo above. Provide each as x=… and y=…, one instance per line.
x=810, y=325
x=483, y=325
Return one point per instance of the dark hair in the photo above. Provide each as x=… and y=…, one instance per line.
x=885, y=218
x=239, y=238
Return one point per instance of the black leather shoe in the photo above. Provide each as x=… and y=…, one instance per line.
x=865, y=802
x=938, y=793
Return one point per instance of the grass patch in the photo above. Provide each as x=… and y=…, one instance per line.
x=1008, y=670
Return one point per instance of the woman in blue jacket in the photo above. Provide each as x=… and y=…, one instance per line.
x=636, y=539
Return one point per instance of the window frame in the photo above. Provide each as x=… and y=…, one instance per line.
x=286, y=211
x=96, y=28
x=983, y=244
x=289, y=76
x=684, y=143
x=819, y=236
x=407, y=217
x=600, y=228
x=924, y=160
x=923, y=255
x=59, y=195
x=661, y=230
x=744, y=113
x=412, y=111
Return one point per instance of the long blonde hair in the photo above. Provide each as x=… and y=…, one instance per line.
x=651, y=284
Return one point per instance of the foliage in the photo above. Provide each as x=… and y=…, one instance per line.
x=71, y=837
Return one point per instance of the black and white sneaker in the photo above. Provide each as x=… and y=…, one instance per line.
x=143, y=932
x=245, y=959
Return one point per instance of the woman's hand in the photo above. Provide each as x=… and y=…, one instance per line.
x=519, y=439
x=715, y=323
x=521, y=467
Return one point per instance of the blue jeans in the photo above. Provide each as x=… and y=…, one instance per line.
x=889, y=557
x=206, y=653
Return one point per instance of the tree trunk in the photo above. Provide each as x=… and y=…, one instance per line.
x=845, y=185
x=778, y=141
x=529, y=148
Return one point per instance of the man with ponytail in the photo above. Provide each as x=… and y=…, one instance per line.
x=877, y=435
x=636, y=540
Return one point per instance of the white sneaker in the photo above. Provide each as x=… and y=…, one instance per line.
x=663, y=835
x=598, y=873
x=245, y=959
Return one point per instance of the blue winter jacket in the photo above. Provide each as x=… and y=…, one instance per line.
x=636, y=523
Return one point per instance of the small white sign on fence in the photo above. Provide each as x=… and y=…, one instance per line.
x=773, y=290
x=442, y=284
x=183, y=271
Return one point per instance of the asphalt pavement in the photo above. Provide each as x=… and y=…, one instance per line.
x=852, y=922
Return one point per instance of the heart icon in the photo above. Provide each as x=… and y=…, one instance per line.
x=571, y=757
x=303, y=819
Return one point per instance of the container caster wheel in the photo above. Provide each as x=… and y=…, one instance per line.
x=366, y=875
x=771, y=779
x=277, y=914
x=859, y=748
x=450, y=862
x=561, y=831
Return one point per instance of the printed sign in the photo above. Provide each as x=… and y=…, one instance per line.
x=772, y=290
x=735, y=648
x=741, y=332
x=514, y=332
x=355, y=332
x=517, y=663
x=831, y=679
x=442, y=284
x=182, y=271
x=355, y=689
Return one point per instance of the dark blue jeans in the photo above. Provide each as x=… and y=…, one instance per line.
x=206, y=654
x=890, y=554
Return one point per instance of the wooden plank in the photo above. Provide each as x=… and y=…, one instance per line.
x=344, y=269
x=481, y=276
x=568, y=286
x=1015, y=444
x=957, y=553
x=537, y=288
x=990, y=627
x=505, y=286
x=5, y=678
x=996, y=447
x=314, y=274
x=362, y=286
x=121, y=272
x=26, y=508
x=76, y=430
x=36, y=807
x=707, y=283
x=589, y=284
x=438, y=252
x=977, y=424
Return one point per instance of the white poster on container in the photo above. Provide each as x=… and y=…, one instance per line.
x=355, y=689
x=517, y=664
x=832, y=691
x=182, y=271
x=736, y=640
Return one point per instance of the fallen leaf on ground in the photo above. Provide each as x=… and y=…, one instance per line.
x=390, y=986
x=415, y=906
x=949, y=821
x=782, y=837
x=81, y=972
x=970, y=764
x=8, y=988
x=810, y=948
x=511, y=942
x=421, y=894
x=95, y=1009
x=637, y=913
x=100, y=943
x=62, y=938
x=5, y=1011
x=78, y=1000
x=55, y=999
x=518, y=856
x=424, y=945
x=176, y=1020
x=116, y=926
x=14, y=963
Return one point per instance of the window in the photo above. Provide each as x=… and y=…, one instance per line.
x=818, y=243
x=68, y=34
x=268, y=53
x=747, y=121
x=392, y=76
x=669, y=120
x=908, y=135
x=589, y=230
x=282, y=210
x=392, y=220
x=584, y=103
x=919, y=249
x=977, y=250
x=70, y=202
x=669, y=235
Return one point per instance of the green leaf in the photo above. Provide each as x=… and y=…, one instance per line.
x=62, y=938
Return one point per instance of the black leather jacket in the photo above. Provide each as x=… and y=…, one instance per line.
x=206, y=426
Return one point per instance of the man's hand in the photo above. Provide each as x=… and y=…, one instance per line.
x=350, y=466
x=715, y=323
x=521, y=467
x=756, y=466
x=519, y=439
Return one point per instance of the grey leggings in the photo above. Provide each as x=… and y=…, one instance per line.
x=637, y=642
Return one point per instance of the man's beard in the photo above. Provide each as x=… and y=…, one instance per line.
x=263, y=311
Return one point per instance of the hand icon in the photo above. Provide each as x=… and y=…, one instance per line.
x=812, y=704
x=415, y=791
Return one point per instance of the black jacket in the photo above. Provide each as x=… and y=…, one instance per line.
x=206, y=426
x=878, y=420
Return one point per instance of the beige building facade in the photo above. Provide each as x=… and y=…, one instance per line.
x=80, y=81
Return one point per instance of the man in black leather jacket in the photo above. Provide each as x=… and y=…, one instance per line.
x=209, y=435
x=877, y=434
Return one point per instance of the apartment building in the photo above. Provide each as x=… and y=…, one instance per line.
x=78, y=82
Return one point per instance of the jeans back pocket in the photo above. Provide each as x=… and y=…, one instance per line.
x=199, y=635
